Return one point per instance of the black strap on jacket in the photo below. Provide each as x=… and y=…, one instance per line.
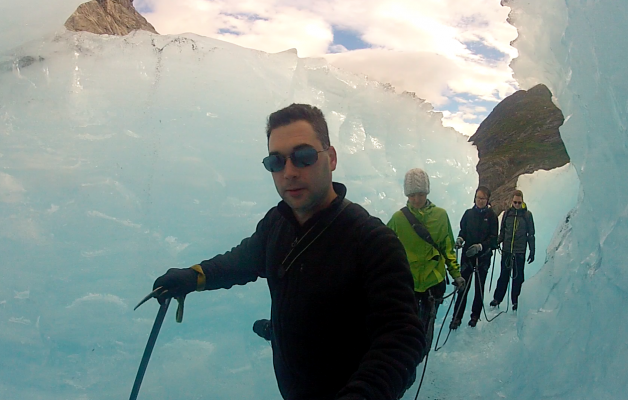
x=423, y=233
x=310, y=237
x=421, y=230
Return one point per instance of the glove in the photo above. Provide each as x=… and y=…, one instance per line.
x=473, y=250
x=176, y=282
x=459, y=283
x=459, y=242
x=531, y=257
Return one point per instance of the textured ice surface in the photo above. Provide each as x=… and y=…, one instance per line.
x=573, y=333
x=23, y=21
x=122, y=157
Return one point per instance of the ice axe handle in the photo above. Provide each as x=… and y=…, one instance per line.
x=161, y=314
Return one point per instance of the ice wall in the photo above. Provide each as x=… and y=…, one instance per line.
x=23, y=21
x=550, y=196
x=577, y=49
x=122, y=157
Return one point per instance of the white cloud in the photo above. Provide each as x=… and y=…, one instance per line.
x=262, y=25
x=425, y=74
x=438, y=49
x=466, y=120
x=431, y=76
x=309, y=34
x=337, y=48
x=459, y=121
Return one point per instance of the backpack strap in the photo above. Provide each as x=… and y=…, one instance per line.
x=503, y=223
x=421, y=230
x=310, y=237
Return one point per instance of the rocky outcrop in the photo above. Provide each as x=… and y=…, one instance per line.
x=110, y=17
x=518, y=137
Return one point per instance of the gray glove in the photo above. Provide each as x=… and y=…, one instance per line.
x=459, y=242
x=459, y=282
x=473, y=250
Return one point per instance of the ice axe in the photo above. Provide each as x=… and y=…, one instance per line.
x=161, y=314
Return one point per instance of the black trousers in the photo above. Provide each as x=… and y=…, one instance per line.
x=469, y=268
x=428, y=303
x=512, y=264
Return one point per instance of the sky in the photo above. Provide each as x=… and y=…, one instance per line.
x=453, y=53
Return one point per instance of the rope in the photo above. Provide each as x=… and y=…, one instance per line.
x=422, y=376
x=513, y=266
x=437, y=339
x=436, y=348
x=484, y=308
x=466, y=290
x=508, y=301
x=476, y=272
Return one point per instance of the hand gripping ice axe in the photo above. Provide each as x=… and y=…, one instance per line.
x=161, y=314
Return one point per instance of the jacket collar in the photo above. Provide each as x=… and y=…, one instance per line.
x=522, y=209
x=481, y=210
x=427, y=206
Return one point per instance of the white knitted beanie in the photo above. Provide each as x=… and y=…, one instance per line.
x=416, y=181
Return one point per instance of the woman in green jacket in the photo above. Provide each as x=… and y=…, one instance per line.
x=427, y=262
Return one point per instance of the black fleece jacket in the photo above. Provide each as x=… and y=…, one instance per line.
x=479, y=226
x=344, y=316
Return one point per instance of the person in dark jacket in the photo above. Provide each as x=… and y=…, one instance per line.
x=516, y=235
x=478, y=239
x=343, y=316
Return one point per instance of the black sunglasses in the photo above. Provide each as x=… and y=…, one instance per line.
x=517, y=202
x=301, y=158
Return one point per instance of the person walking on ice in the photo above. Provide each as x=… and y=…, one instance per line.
x=425, y=232
x=478, y=239
x=515, y=235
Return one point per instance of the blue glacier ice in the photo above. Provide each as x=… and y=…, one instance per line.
x=121, y=157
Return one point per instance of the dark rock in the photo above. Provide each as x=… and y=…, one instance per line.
x=518, y=137
x=110, y=17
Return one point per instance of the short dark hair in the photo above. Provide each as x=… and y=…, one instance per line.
x=485, y=190
x=300, y=112
x=518, y=193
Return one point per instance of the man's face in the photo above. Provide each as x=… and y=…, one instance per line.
x=417, y=200
x=308, y=189
x=517, y=201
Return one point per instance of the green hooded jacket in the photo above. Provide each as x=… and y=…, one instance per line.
x=426, y=263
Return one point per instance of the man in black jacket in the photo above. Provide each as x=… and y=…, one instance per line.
x=478, y=239
x=343, y=314
x=516, y=234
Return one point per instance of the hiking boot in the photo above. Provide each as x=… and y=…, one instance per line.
x=455, y=323
x=263, y=329
x=473, y=321
x=494, y=303
x=514, y=306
